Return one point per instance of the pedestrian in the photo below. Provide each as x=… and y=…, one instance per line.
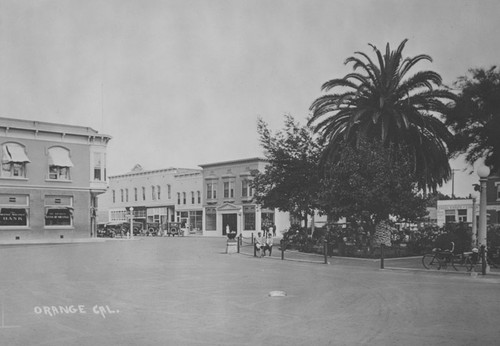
x=258, y=243
x=268, y=244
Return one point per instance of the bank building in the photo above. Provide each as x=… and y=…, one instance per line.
x=50, y=178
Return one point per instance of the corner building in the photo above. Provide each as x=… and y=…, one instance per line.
x=228, y=199
x=50, y=178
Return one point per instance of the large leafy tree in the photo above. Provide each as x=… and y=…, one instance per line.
x=476, y=118
x=381, y=100
x=370, y=183
x=290, y=180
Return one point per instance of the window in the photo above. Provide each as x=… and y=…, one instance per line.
x=158, y=191
x=169, y=191
x=59, y=163
x=153, y=194
x=14, y=161
x=121, y=194
x=178, y=198
x=58, y=211
x=195, y=219
x=462, y=215
x=135, y=194
x=199, y=197
x=249, y=218
x=211, y=219
x=192, y=197
x=246, y=188
x=211, y=190
x=498, y=192
x=114, y=196
x=450, y=216
x=143, y=193
x=126, y=195
x=99, y=166
x=229, y=189
x=14, y=211
x=183, y=198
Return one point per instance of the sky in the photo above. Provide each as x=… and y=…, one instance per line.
x=183, y=83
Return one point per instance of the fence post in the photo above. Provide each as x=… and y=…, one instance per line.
x=282, y=243
x=252, y=238
x=382, y=248
x=325, y=250
x=483, y=259
x=238, y=240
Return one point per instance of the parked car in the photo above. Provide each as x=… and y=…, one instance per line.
x=120, y=229
x=105, y=232
x=174, y=228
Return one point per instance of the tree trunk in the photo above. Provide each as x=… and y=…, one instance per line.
x=382, y=235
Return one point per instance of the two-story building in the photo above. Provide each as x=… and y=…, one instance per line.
x=228, y=201
x=157, y=197
x=50, y=178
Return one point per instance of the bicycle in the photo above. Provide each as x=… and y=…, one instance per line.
x=438, y=258
x=442, y=258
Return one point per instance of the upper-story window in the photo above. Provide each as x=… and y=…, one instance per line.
x=183, y=198
x=246, y=188
x=143, y=193
x=99, y=166
x=178, y=198
x=121, y=195
x=59, y=163
x=211, y=190
x=158, y=192
x=14, y=161
x=229, y=189
x=192, y=197
x=169, y=191
x=126, y=195
x=114, y=196
x=199, y=197
x=135, y=194
x=153, y=194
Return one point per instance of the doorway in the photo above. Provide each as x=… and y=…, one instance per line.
x=230, y=220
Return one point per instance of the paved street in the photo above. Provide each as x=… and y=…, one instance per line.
x=187, y=291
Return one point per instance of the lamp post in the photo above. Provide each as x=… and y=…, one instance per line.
x=483, y=172
x=131, y=222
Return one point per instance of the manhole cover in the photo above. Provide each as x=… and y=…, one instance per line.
x=277, y=294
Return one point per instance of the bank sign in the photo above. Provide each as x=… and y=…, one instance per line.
x=13, y=217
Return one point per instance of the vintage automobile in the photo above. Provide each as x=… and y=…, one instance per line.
x=121, y=229
x=153, y=229
x=174, y=228
x=105, y=232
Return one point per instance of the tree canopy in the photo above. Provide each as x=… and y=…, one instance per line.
x=369, y=183
x=381, y=100
x=290, y=180
x=476, y=118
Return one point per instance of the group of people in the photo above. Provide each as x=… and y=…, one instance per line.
x=263, y=243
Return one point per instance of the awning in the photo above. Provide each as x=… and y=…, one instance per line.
x=59, y=157
x=14, y=153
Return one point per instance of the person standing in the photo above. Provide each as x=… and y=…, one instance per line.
x=258, y=243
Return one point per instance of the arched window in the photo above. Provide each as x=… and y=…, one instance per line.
x=14, y=161
x=59, y=163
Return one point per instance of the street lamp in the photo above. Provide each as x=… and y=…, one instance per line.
x=483, y=172
x=131, y=222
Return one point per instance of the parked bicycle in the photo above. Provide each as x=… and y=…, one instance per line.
x=441, y=259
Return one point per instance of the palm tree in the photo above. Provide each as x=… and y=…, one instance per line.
x=381, y=101
x=476, y=118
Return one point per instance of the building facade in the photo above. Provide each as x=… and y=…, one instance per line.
x=228, y=199
x=50, y=178
x=493, y=199
x=456, y=210
x=157, y=197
